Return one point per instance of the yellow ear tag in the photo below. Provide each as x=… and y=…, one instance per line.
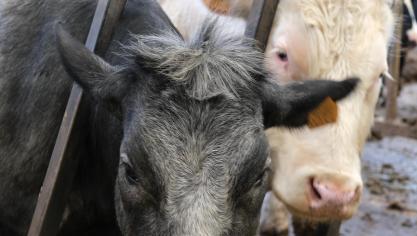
x=218, y=6
x=325, y=113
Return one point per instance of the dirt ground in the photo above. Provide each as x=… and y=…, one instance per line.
x=389, y=203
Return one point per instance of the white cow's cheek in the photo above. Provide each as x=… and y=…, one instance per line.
x=373, y=92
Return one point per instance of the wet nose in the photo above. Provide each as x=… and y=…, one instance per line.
x=333, y=192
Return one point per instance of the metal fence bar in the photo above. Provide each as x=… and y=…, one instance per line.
x=261, y=18
x=62, y=166
x=394, y=65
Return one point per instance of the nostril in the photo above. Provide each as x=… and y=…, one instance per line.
x=333, y=196
x=315, y=192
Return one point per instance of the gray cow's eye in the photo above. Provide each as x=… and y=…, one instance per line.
x=130, y=174
x=261, y=178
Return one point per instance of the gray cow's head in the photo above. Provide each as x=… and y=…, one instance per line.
x=193, y=159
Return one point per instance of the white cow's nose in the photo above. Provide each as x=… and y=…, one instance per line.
x=333, y=193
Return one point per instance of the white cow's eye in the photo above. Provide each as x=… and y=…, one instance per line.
x=282, y=55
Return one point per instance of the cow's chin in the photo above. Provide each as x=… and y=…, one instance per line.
x=301, y=210
x=323, y=215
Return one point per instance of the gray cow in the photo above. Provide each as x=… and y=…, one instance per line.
x=174, y=143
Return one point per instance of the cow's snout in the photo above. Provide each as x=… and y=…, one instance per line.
x=333, y=194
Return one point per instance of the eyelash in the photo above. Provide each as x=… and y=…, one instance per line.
x=130, y=175
x=260, y=179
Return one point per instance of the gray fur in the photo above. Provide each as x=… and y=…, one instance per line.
x=33, y=92
x=208, y=65
x=200, y=145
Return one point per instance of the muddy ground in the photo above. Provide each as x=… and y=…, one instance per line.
x=389, y=203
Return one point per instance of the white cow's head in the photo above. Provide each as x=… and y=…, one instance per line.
x=317, y=172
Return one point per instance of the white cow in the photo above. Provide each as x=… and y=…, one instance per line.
x=317, y=172
x=188, y=15
x=321, y=177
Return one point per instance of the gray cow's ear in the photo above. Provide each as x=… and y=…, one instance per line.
x=93, y=74
x=293, y=105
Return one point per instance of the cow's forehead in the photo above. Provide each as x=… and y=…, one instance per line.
x=345, y=20
x=352, y=35
x=190, y=137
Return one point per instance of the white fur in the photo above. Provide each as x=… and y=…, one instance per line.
x=341, y=38
x=189, y=15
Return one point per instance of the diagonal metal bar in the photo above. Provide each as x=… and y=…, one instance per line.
x=394, y=62
x=260, y=20
x=62, y=166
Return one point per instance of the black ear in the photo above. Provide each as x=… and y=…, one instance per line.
x=98, y=78
x=291, y=105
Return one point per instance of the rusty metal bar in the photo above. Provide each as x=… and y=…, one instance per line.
x=260, y=20
x=394, y=65
x=62, y=166
x=114, y=11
